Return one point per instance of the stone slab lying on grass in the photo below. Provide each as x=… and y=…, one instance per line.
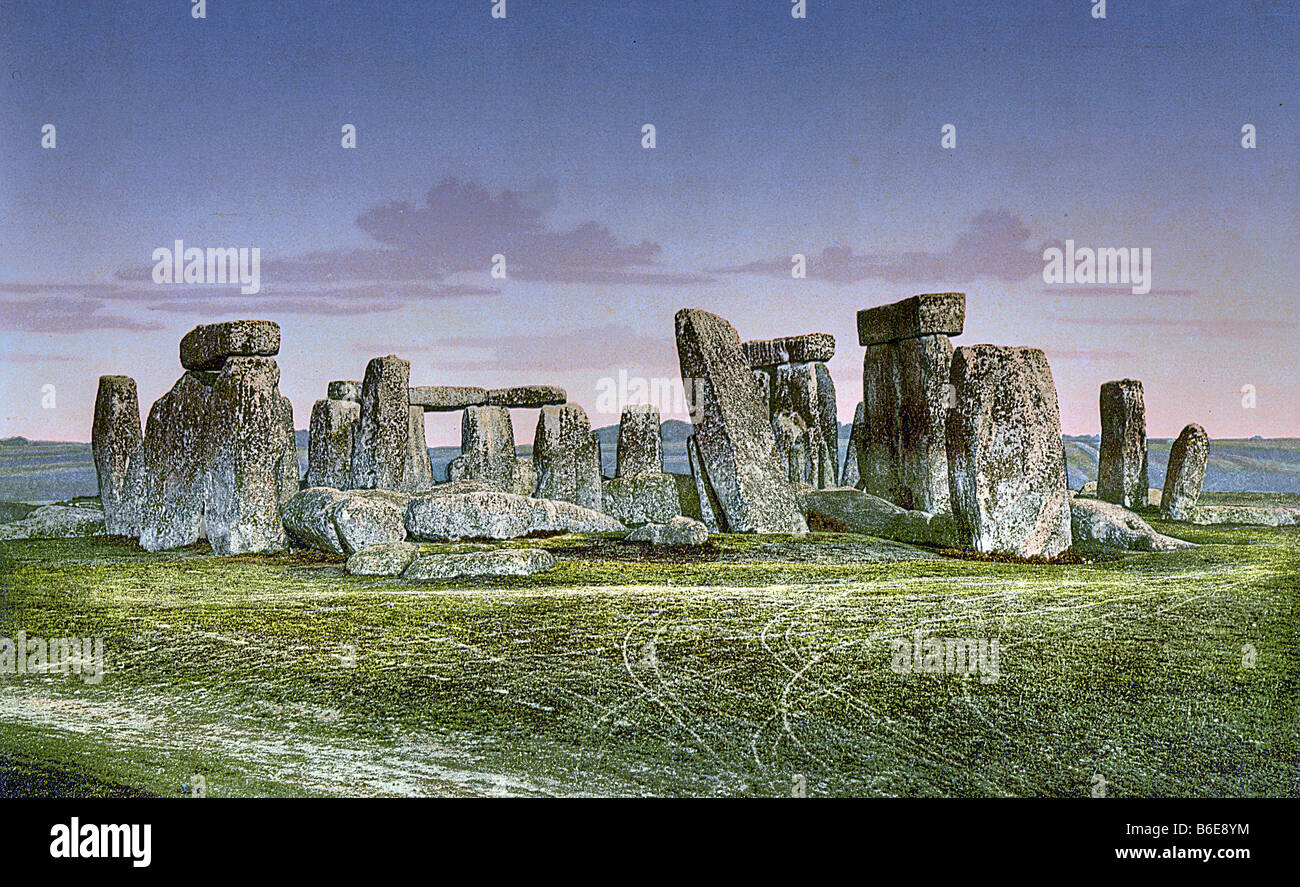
x=382, y=559
x=502, y=562
x=1247, y=515
x=845, y=509
x=650, y=498
x=1100, y=527
x=496, y=515
x=345, y=521
x=677, y=531
x=56, y=522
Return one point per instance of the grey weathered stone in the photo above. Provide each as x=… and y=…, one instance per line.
x=487, y=448
x=382, y=559
x=243, y=481
x=929, y=314
x=56, y=522
x=647, y=497
x=207, y=346
x=905, y=396
x=309, y=518
x=344, y=389
x=288, y=480
x=851, y=473
x=848, y=510
x=1122, y=464
x=764, y=379
x=496, y=515
x=1185, y=473
x=925, y=528
x=676, y=531
x=733, y=430
x=706, y=501
x=806, y=390
x=526, y=396
x=807, y=348
x=498, y=562
x=172, y=464
x=447, y=398
x=1089, y=489
x=1006, y=460
x=640, y=449
x=363, y=520
x=381, y=442
x=419, y=467
x=1100, y=527
x=115, y=440
x=567, y=457
x=329, y=443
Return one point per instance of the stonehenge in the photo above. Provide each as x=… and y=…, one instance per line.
x=1122, y=465
x=207, y=346
x=381, y=444
x=566, y=455
x=329, y=441
x=796, y=386
x=641, y=492
x=905, y=392
x=1185, y=473
x=114, y=438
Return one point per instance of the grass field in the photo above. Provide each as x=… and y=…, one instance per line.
x=740, y=669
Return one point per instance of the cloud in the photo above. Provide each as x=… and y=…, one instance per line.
x=1217, y=327
x=992, y=246
x=64, y=314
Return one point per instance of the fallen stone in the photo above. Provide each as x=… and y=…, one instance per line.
x=309, y=518
x=173, y=462
x=115, y=440
x=644, y=498
x=527, y=396
x=925, y=528
x=1006, y=460
x=846, y=510
x=567, y=457
x=382, y=438
x=329, y=443
x=1122, y=464
x=242, y=485
x=207, y=346
x=447, y=398
x=381, y=559
x=496, y=515
x=734, y=440
x=1246, y=515
x=500, y=562
x=55, y=522
x=929, y=314
x=640, y=449
x=811, y=347
x=1099, y=527
x=1185, y=473
x=362, y=521
x=344, y=389
x=676, y=531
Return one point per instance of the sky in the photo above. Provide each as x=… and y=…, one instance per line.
x=523, y=137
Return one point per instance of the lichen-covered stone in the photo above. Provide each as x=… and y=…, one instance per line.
x=640, y=449
x=496, y=515
x=1185, y=473
x=734, y=441
x=472, y=564
x=1006, y=460
x=447, y=398
x=807, y=391
x=851, y=472
x=527, y=396
x=848, y=510
x=567, y=457
x=362, y=520
x=344, y=389
x=1247, y=515
x=207, y=346
x=675, y=531
x=419, y=467
x=643, y=498
x=172, y=464
x=929, y=314
x=1122, y=463
x=382, y=559
x=811, y=347
x=55, y=522
x=329, y=443
x=1100, y=527
x=115, y=440
x=309, y=518
x=382, y=439
x=487, y=448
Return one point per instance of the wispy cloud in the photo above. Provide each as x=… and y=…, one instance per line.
x=64, y=314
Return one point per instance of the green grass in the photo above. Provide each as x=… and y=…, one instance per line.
x=724, y=671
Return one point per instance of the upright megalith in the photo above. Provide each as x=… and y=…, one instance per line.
x=734, y=444
x=329, y=443
x=567, y=456
x=288, y=477
x=244, y=483
x=1184, y=475
x=905, y=377
x=419, y=467
x=640, y=449
x=487, y=452
x=172, y=464
x=851, y=473
x=1122, y=464
x=115, y=439
x=796, y=387
x=1006, y=462
x=207, y=346
x=382, y=440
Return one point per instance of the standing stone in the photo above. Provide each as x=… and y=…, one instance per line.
x=115, y=438
x=851, y=475
x=243, y=483
x=567, y=456
x=806, y=390
x=381, y=442
x=419, y=468
x=922, y=454
x=173, y=463
x=640, y=450
x=329, y=443
x=344, y=389
x=734, y=441
x=1005, y=455
x=487, y=448
x=288, y=476
x=1184, y=475
x=1122, y=465
x=709, y=506
x=207, y=346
